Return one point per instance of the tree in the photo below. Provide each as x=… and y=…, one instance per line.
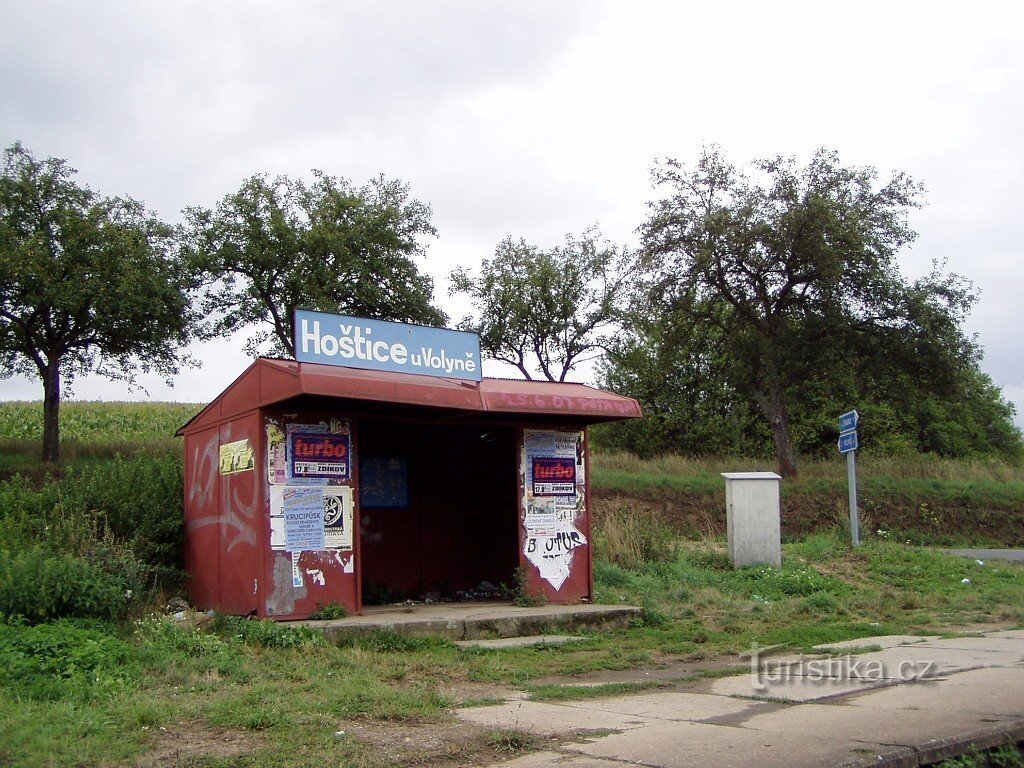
x=87, y=283
x=678, y=372
x=550, y=308
x=795, y=270
x=281, y=244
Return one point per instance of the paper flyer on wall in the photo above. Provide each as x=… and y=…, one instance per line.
x=338, y=503
x=550, y=450
x=303, y=511
x=317, y=454
x=553, y=476
x=552, y=552
x=338, y=507
x=275, y=455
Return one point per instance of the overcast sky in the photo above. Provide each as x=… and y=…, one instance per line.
x=531, y=119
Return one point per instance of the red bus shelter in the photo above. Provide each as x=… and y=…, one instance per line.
x=309, y=484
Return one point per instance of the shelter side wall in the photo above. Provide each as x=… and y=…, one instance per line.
x=202, y=518
x=556, y=547
x=240, y=518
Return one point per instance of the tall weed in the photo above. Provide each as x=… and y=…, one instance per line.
x=628, y=537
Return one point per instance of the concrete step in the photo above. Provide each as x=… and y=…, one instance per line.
x=479, y=620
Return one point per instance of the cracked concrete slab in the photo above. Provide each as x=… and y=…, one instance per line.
x=900, y=727
x=945, y=660
x=847, y=720
x=561, y=760
x=793, y=688
x=671, y=706
x=698, y=745
x=1007, y=645
x=992, y=691
x=1016, y=634
x=882, y=641
x=547, y=719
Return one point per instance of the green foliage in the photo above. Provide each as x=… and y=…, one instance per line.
x=64, y=659
x=40, y=585
x=139, y=501
x=522, y=593
x=164, y=640
x=774, y=301
x=680, y=376
x=328, y=611
x=1007, y=756
x=92, y=543
x=509, y=741
x=281, y=244
x=631, y=538
x=134, y=502
x=550, y=309
x=87, y=283
x=267, y=633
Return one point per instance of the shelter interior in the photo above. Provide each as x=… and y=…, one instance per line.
x=446, y=522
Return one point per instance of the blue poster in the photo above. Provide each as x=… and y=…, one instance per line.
x=384, y=482
x=304, y=519
x=320, y=455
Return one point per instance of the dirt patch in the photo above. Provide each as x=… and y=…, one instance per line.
x=675, y=672
x=467, y=692
x=192, y=739
x=440, y=743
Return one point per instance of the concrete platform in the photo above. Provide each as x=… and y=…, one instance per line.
x=887, y=715
x=477, y=620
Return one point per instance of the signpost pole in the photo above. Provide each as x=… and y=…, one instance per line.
x=851, y=476
x=848, y=445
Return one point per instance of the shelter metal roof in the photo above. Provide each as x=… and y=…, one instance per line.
x=268, y=381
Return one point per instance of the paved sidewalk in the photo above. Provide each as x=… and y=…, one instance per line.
x=1015, y=555
x=915, y=702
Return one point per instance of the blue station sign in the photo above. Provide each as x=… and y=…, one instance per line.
x=848, y=441
x=379, y=345
x=848, y=421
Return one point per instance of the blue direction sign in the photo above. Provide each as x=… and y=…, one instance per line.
x=848, y=421
x=848, y=441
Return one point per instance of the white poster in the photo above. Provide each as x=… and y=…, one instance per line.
x=338, y=505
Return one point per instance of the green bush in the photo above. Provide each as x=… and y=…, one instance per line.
x=139, y=500
x=127, y=510
x=40, y=585
x=267, y=633
x=329, y=611
x=64, y=659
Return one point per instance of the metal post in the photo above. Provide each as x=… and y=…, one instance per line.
x=851, y=476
